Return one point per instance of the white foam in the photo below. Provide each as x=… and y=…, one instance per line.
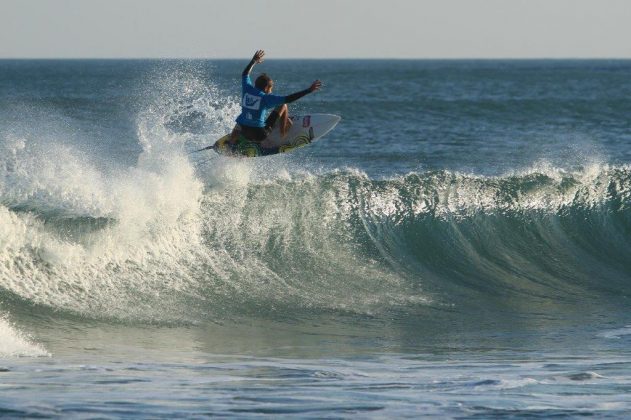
x=456, y=194
x=617, y=333
x=152, y=213
x=51, y=177
x=14, y=343
x=507, y=383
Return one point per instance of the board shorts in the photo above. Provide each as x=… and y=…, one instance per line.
x=258, y=134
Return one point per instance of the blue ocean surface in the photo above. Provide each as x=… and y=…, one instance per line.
x=458, y=246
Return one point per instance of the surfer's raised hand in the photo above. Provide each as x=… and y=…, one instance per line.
x=315, y=86
x=258, y=56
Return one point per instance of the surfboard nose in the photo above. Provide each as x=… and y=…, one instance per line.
x=329, y=119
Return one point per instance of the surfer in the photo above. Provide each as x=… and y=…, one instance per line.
x=257, y=100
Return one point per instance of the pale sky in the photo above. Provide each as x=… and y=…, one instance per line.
x=315, y=29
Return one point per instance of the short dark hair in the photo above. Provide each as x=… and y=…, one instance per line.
x=262, y=81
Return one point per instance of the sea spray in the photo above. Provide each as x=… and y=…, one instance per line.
x=14, y=343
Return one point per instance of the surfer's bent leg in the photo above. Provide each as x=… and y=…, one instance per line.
x=285, y=123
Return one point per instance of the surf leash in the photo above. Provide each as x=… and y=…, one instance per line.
x=202, y=149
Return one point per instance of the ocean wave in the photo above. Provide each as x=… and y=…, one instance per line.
x=182, y=245
x=539, y=232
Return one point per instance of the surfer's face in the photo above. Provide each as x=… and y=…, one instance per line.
x=269, y=87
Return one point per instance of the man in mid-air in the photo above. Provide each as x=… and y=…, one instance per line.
x=256, y=102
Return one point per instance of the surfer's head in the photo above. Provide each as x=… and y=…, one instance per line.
x=264, y=83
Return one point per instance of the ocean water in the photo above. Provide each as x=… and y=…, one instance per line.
x=459, y=246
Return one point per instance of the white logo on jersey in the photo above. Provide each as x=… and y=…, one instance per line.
x=251, y=102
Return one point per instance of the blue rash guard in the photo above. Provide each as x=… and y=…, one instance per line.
x=256, y=104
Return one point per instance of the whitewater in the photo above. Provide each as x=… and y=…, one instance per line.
x=458, y=246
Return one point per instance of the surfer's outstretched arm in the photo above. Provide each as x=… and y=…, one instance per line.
x=295, y=96
x=257, y=58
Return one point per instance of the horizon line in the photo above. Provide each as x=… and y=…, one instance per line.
x=322, y=58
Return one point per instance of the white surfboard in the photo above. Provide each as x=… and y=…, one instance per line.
x=305, y=130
